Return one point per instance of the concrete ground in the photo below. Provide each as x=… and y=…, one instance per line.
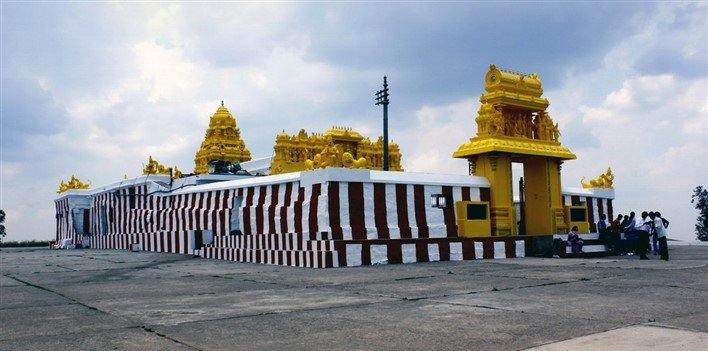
x=97, y=300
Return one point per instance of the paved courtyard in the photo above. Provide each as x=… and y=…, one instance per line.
x=117, y=300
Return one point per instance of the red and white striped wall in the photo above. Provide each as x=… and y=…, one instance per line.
x=171, y=242
x=348, y=253
x=598, y=201
x=351, y=210
x=372, y=252
x=322, y=218
x=64, y=227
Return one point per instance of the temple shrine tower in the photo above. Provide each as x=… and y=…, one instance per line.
x=222, y=142
x=513, y=126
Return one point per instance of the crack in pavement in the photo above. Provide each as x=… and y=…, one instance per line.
x=166, y=337
x=75, y=301
x=343, y=288
x=284, y=312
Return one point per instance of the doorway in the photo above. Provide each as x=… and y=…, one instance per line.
x=517, y=184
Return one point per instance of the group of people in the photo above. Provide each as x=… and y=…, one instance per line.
x=638, y=232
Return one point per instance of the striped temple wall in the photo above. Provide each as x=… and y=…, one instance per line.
x=64, y=227
x=327, y=224
x=596, y=207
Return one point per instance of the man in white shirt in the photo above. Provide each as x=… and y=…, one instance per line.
x=643, y=227
x=660, y=226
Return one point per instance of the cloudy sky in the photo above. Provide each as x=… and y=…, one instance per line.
x=93, y=89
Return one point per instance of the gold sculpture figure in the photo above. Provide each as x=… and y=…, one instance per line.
x=337, y=147
x=496, y=123
x=604, y=180
x=333, y=156
x=154, y=167
x=73, y=183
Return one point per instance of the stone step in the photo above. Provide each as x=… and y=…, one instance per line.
x=290, y=241
x=295, y=258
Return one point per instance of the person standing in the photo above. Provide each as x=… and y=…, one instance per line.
x=616, y=236
x=630, y=236
x=661, y=225
x=603, y=233
x=630, y=223
x=602, y=224
x=642, y=228
x=654, y=242
x=616, y=224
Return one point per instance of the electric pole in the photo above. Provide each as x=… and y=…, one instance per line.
x=382, y=99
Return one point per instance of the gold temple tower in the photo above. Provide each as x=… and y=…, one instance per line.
x=222, y=142
x=514, y=126
x=337, y=147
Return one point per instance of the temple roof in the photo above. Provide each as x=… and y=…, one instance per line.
x=513, y=89
x=344, y=133
x=221, y=142
x=504, y=144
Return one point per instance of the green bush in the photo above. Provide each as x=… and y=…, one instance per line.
x=26, y=243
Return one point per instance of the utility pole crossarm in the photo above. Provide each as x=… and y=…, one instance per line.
x=382, y=99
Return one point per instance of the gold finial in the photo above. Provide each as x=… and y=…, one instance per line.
x=222, y=103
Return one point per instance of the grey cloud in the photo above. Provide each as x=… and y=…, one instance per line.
x=27, y=111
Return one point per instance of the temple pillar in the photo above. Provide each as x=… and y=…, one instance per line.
x=556, y=193
x=497, y=169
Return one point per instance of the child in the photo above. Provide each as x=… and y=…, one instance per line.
x=576, y=244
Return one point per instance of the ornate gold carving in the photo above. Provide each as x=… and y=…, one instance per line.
x=333, y=156
x=337, y=147
x=512, y=118
x=73, y=183
x=472, y=165
x=477, y=146
x=221, y=142
x=604, y=180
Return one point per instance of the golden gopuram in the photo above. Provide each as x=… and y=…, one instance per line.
x=514, y=126
x=73, y=183
x=337, y=147
x=222, y=142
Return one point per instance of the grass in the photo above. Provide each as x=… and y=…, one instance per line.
x=25, y=243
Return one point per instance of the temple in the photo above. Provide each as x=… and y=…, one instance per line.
x=322, y=199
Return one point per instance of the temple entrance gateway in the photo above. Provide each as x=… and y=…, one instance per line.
x=513, y=126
